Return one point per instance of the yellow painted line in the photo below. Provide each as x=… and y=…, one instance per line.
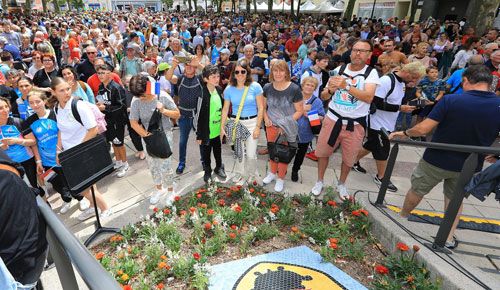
x=441, y=215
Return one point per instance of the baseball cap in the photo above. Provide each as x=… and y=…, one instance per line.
x=225, y=51
x=133, y=46
x=163, y=66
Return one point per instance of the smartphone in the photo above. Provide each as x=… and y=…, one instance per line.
x=417, y=103
x=333, y=73
x=183, y=59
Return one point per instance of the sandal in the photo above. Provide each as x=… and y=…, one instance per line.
x=451, y=245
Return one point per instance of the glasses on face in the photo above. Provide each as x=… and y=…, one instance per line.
x=36, y=58
x=356, y=50
x=47, y=60
x=237, y=72
x=101, y=73
x=91, y=52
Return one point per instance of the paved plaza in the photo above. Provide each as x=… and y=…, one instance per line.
x=129, y=198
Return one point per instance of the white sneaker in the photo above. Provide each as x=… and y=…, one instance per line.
x=118, y=164
x=318, y=186
x=123, y=170
x=106, y=213
x=342, y=191
x=155, y=198
x=269, y=178
x=170, y=198
x=278, y=187
x=90, y=212
x=84, y=204
x=66, y=206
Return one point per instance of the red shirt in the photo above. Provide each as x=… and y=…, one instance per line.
x=94, y=82
x=293, y=46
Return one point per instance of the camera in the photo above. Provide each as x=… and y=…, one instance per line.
x=419, y=103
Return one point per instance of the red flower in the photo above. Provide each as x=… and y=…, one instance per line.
x=239, y=187
x=333, y=246
x=252, y=190
x=166, y=211
x=203, y=205
x=356, y=213
x=237, y=208
x=210, y=212
x=198, y=195
x=332, y=203
x=127, y=287
x=197, y=256
x=255, y=182
x=222, y=202
x=263, y=203
x=232, y=236
x=177, y=198
x=263, y=195
x=203, y=241
x=192, y=209
x=274, y=208
x=160, y=286
x=234, y=227
x=402, y=247
x=99, y=255
x=381, y=269
x=155, y=209
x=183, y=212
x=364, y=211
x=208, y=226
x=333, y=240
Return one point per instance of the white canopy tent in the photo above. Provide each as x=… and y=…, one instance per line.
x=308, y=6
x=327, y=7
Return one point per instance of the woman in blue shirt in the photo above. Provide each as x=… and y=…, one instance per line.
x=22, y=109
x=41, y=127
x=15, y=145
x=79, y=89
x=252, y=113
x=311, y=104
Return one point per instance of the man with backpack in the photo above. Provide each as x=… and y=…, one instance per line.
x=352, y=88
x=111, y=100
x=387, y=105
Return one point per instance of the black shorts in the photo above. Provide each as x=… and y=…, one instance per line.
x=115, y=133
x=377, y=145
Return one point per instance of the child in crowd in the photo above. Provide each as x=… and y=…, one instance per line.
x=431, y=88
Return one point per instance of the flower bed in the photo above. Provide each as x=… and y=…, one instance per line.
x=174, y=246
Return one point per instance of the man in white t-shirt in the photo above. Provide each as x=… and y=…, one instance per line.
x=351, y=89
x=387, y=100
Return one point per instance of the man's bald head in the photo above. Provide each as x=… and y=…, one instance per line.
x=475, y=59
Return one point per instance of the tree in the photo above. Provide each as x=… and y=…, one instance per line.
x=233, y=6
x=413, y=10
x=297, y=16
x=195, y=5
x=168, y=3
x=27, y=8
x=291, y=8
x=349, y=8
x=57, y=9
x=270, y=6
x=254, y=6
x=189, y=6
x=44, y=5
x=248, y=6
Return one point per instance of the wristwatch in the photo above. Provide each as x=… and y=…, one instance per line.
x=347, y=87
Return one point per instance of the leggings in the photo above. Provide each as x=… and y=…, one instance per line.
x=299, y=157
x=30, y=171
x=206, y=148
x=136, y=139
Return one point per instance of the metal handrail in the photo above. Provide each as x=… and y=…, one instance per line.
x=66, y=251
x=466, y=174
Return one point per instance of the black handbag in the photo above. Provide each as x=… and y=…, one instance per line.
x=157, y=142
x=279, y=152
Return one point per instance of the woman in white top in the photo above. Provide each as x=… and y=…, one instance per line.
x=469, y=49
x=72, y=133
x=36, y=63
x=443, y=47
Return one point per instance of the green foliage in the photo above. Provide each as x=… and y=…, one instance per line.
x=169, y=234
x=215, y=244
x=286, y=215
x=182, y=268
x=168, y=3
x=199, y=280
x=266, y=231
x=246, y=241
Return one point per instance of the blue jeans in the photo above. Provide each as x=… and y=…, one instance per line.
x=185, y=126
x=403, y=116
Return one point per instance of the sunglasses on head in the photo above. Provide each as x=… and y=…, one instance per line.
x=237, y=72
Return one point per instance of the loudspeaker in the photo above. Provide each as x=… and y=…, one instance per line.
x=86, y=164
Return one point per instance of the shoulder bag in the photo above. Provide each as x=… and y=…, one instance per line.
x=157, y=142
x=279, y=152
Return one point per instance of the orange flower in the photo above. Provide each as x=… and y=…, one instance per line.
x=333, y=240
x=210, y=212
x=163, y=257
x=215, y=223
x=127, y=287
x=381, y=269
x=263, y=203
x=208, y=226
x=364, y=211
x=410, y=279
x=237, y=208
x=198, y=195
x=263, y=195
x=222, y=202
x=274, y=208
x=333, y=246
x=356, y=213
x=166, y=211
x=162, y=265
x=119, y=272
x=234, y=227
x=183, y=212
x=192, y=209
x=124, y=277
x=252, y=190
x=295, y=229
x=232, y=236
x=99, y=255
x=203, y=205
x=332, y=203
x=402, y=247
x=160, y=286
x=177, y=198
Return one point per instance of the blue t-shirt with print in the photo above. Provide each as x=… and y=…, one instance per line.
x=45, y=131
x=16, y=152
x=430, y=89
x=234, y=95
x=470, y=118
x=305, y=133
x=24, y=108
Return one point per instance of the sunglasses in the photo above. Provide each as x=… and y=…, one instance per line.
x=91, y=52
x=237, y=72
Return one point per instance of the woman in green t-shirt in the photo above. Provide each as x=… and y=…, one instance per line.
x=209, y=122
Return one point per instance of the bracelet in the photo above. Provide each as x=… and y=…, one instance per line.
x=406, y=134
x=57, y=152
x=39, y=162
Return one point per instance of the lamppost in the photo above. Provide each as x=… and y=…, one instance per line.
x=373, y=8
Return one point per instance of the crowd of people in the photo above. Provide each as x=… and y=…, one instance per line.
x=313, y=86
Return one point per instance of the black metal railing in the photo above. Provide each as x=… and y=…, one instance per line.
x=67, y=251
x=465, y=176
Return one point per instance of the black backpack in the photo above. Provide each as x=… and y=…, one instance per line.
x=373, y=108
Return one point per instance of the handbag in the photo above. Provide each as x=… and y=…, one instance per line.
x=279, y=152
x=157, y=142
x=240, y=108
